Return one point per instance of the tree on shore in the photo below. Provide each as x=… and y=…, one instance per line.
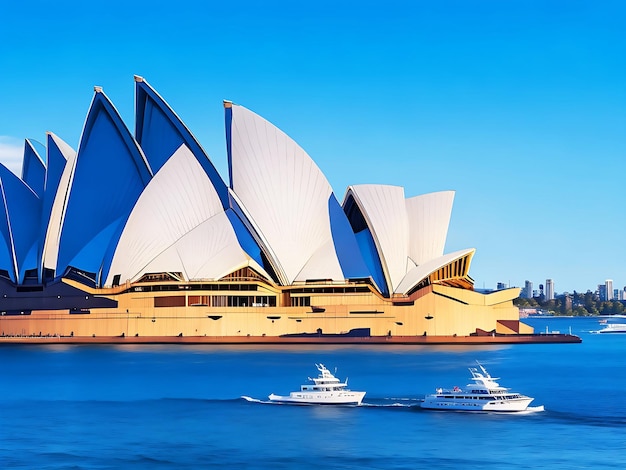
x=577, y=304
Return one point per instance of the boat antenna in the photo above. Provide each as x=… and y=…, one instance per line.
x=482, y=369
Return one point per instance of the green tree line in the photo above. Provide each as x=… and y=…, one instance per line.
x=577, y=304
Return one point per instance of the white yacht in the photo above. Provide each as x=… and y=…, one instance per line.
x=484, y=394
x=325, y=389
x=613, y=328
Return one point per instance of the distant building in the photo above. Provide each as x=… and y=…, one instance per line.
x=501, y=286
x=568, y=302
x=527, y=293
x=549, y=289
x=608, y=284
x=602, y=292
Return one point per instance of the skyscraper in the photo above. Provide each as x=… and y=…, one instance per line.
x=602, y=291
x=528, y=290
x=608, y=284
x=549, y=289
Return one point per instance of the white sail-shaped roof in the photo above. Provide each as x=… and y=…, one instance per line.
x=429, y=218
x=384, y=209
x=179, y=225
x=418, y=273
x=53, y=233
x=286, y=197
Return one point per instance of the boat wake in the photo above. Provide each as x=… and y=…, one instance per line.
x=391, y=405
x=256, y=400
x=600, y=420
x=393, y=402
x=531, y=410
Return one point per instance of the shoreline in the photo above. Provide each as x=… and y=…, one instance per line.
x=541, y=338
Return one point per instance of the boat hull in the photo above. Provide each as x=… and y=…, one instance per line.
x=320, y=398
x=457, y=404
x=614, y=328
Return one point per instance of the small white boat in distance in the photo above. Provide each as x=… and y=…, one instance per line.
x=484, y=394
x=613, y=328
x=325, y=389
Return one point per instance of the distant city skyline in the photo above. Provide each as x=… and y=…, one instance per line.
x=516, y=106
x=605, y=290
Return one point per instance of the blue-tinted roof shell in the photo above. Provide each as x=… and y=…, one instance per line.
x=56, y=164
x=7, y=258
x=366, y=243
x=19, y=225
x=160, y=132
x=34, y=167
x=346, y=246
x=110, y=174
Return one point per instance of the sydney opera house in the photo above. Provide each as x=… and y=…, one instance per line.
x=136, y=237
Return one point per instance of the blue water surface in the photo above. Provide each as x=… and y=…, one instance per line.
x=179, y=407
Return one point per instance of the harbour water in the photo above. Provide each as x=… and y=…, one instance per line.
x=167, y=407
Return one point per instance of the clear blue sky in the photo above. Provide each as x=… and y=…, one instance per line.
x=519, y=106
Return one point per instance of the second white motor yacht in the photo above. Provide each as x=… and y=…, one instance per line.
x=613, y=328
x=484, y=394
